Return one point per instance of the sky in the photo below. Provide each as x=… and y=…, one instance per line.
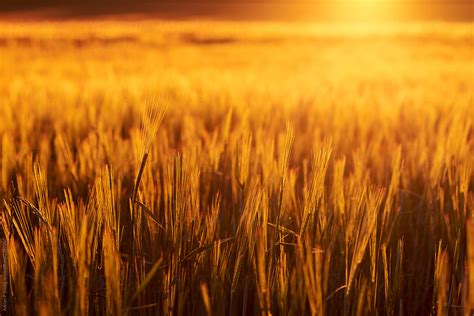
x=454, y=10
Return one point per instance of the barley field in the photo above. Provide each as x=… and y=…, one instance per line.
x=229, y=168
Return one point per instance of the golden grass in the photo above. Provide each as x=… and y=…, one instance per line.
x=222, y=168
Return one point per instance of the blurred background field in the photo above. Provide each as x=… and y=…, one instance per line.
x=300, y=168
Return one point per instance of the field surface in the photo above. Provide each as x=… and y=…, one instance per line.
x=226, y=168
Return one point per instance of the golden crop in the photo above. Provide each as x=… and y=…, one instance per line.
x=236, y=168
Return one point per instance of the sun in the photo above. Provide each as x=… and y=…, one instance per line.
x=364, y=10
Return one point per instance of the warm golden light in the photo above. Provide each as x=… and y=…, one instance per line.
x=276, y=157
x=365, y=10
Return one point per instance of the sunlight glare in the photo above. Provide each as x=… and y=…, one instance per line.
x=365, y=10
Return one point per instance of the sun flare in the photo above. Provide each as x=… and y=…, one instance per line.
x=365, y=10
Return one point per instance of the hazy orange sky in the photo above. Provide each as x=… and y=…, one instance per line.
x=460, y=10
